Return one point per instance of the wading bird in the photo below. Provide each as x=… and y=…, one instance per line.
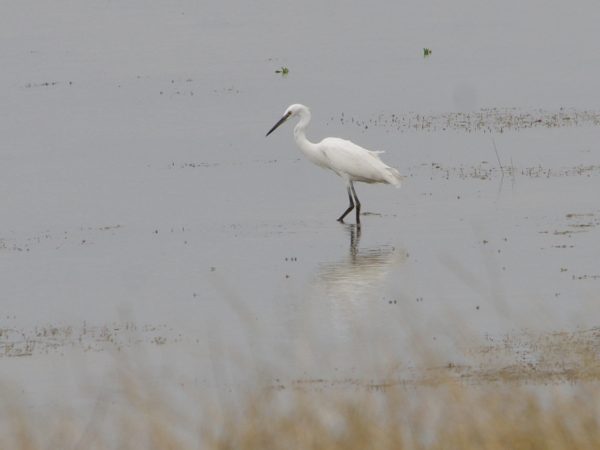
x=348, y=160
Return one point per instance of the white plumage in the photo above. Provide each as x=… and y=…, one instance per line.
x=358, y=164
x=348, y=160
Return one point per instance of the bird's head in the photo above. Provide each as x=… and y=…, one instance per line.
x=293, y=110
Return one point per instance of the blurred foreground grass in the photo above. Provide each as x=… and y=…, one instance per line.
x=447, y=414
x=528, y=390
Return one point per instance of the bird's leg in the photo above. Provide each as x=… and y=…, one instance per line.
x=350, y=208
x=357, y=202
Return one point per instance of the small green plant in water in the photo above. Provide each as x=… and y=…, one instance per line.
x=426, y=52
x=283, y=71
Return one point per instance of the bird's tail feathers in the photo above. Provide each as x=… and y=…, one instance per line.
x=393, y=177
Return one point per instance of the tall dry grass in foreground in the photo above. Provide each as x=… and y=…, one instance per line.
x=447, y=415
x=529, y=391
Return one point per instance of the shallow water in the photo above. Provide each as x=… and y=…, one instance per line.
x=143, y=206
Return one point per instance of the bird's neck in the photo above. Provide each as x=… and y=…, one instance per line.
x=305, y=145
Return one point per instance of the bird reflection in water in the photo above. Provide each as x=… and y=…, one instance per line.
x=354, y=286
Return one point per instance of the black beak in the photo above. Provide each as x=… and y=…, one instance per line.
x=283, y=119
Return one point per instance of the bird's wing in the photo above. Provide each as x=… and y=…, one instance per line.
x=348, y=159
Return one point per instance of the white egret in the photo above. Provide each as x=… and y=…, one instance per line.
x=350, y=161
